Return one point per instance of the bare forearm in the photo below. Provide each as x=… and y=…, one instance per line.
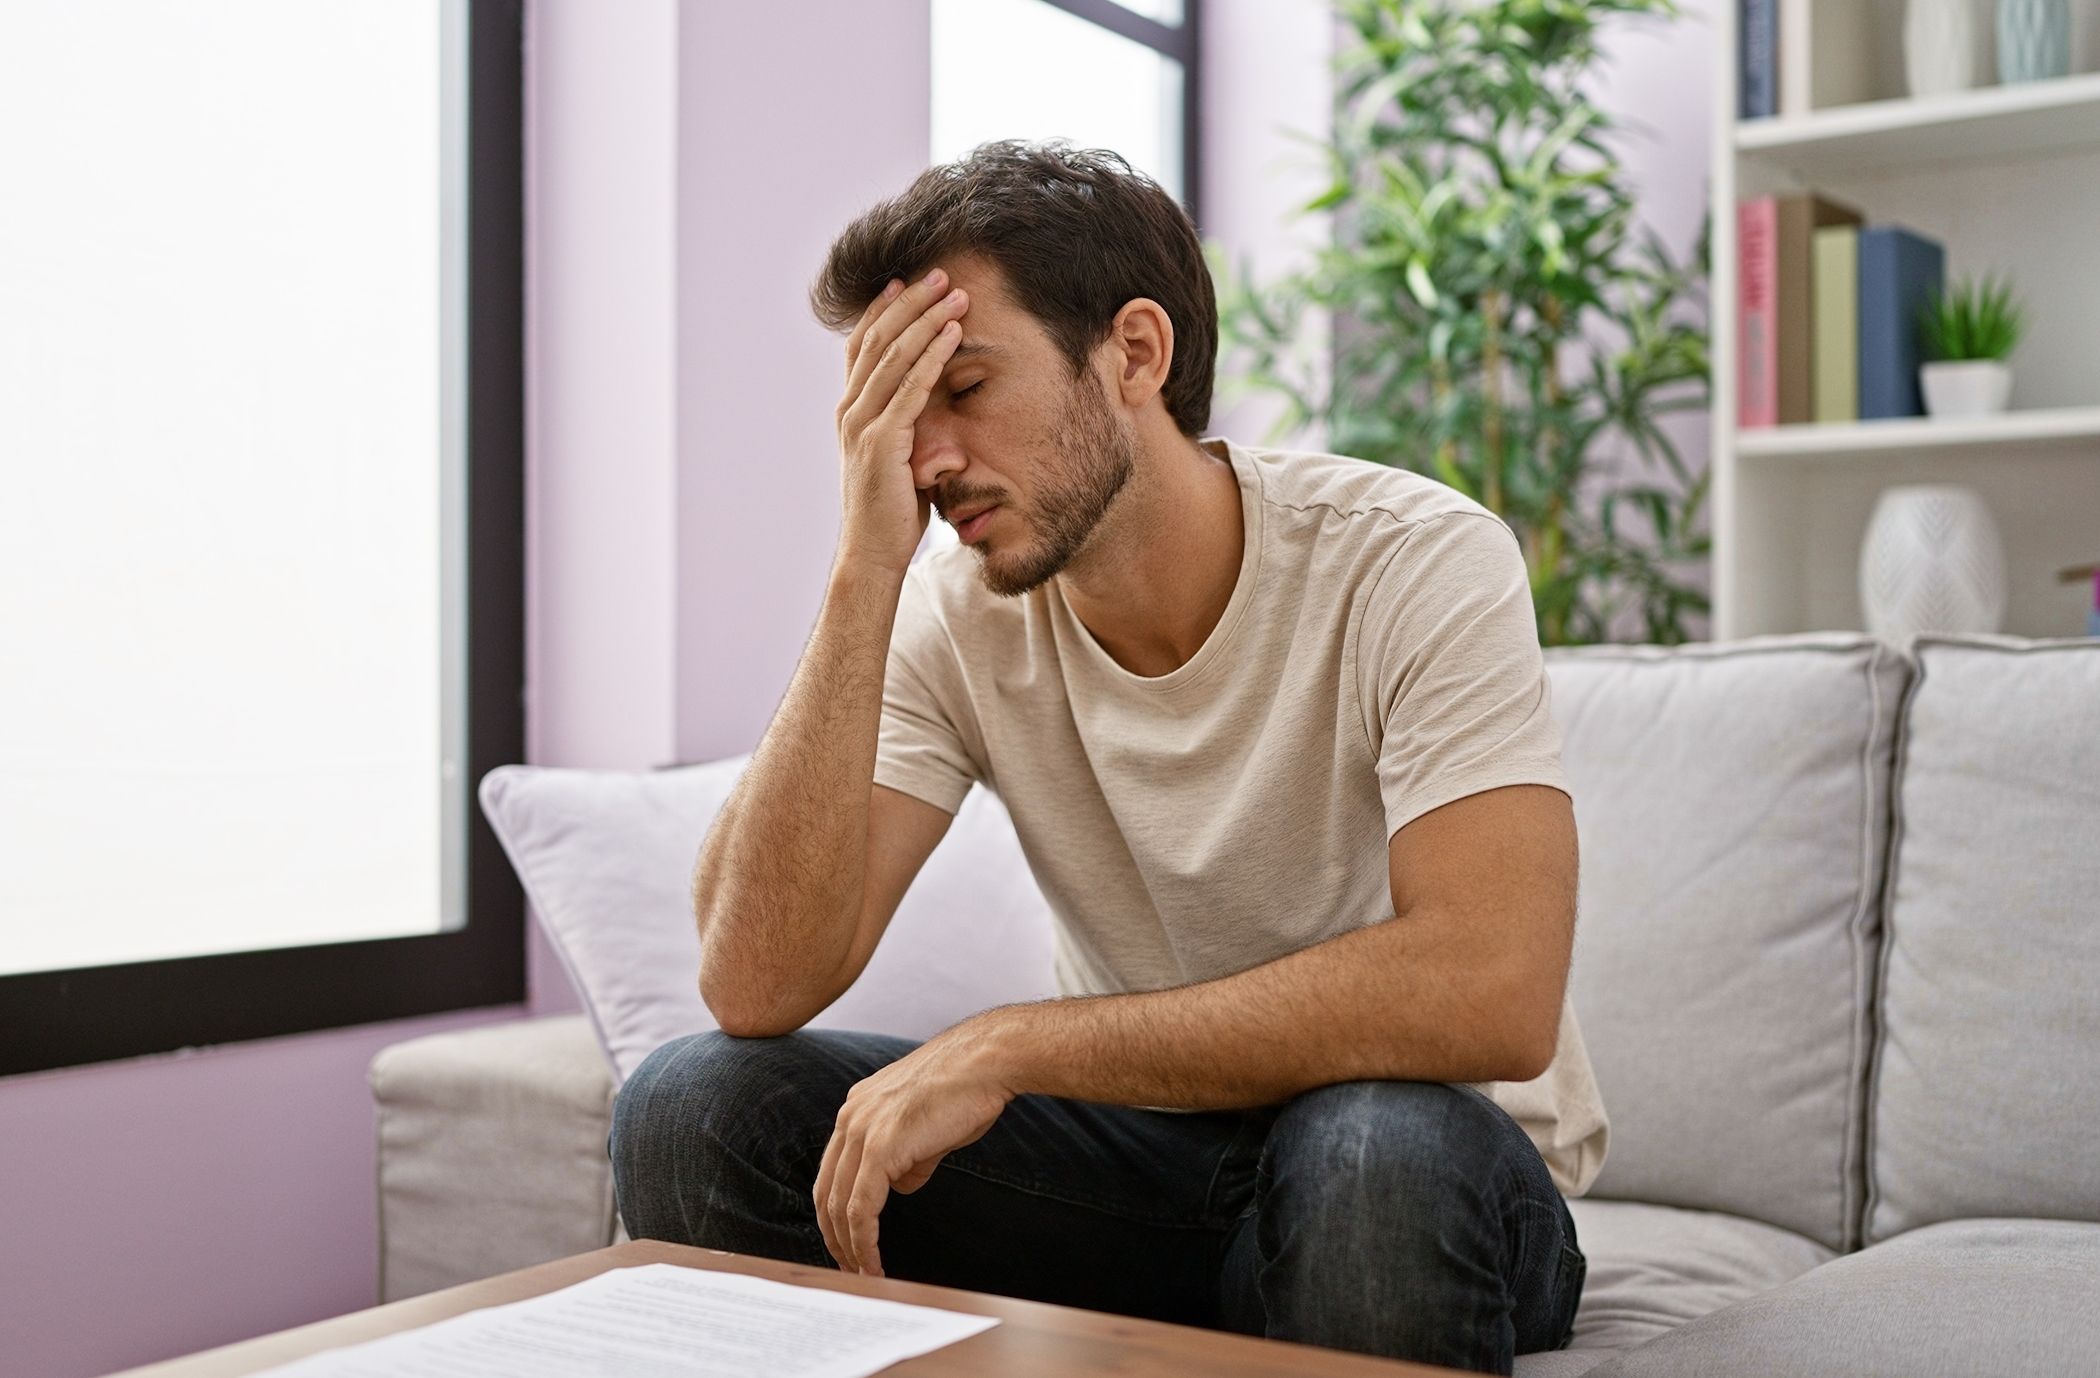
x=1377, y=1003
x=777, y=888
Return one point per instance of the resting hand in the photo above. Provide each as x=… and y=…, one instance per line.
x=895, y=1128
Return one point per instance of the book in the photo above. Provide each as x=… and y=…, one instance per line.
x=1899, y=270
x=1826, y=53
x=1757, y=51
x=1756, y=349
x=1834, y=304
x=1775, y=328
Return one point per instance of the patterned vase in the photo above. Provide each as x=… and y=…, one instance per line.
x=1939, y=46
x=1931, y=562
x=2034, y=39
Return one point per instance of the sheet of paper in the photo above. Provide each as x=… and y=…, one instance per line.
x=658, y=1320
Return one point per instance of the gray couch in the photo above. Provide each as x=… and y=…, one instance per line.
x=1836, y=966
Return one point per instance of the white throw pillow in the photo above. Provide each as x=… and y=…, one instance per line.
x=606, y=857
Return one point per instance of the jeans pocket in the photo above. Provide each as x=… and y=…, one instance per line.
x=1573, y=1272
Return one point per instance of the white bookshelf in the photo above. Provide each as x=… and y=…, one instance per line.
x=2008, y=179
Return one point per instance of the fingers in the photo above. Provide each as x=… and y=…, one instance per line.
x=821, y=1193
x=916, y=1177
x=867, y=318
x=846, y=1172
x=885, y=320
x=917, y=385
x=864, y=1211
x=895, y=340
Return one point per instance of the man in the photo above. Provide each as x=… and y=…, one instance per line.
x=1275, y=734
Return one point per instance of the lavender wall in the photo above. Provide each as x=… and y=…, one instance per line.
x=766, y=178
x=688, y=165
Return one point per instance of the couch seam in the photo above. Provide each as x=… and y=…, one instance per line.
x=1870, y=1196
x=1850, y=1150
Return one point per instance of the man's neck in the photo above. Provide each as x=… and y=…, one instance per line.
x=1163, y=564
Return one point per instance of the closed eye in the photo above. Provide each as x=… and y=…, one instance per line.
x=967, y=391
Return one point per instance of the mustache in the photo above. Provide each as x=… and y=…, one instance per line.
x=959, y=500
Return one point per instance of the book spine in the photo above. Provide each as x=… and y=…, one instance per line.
x=1795, y=51
x=1835, y=295
x=1757, y=315
x=1898, y=272
x=1758, y=51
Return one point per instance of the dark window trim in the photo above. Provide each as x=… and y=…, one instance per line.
x=54, y=1019
x=1184, y=43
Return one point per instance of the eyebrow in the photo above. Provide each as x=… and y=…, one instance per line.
x=969, y=349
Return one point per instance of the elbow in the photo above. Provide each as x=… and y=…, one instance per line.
x=1526, y=1061
x=760, y=1028
x=740, y=1022
x=737, y=1017
x=740, y=1016
x=1530, y=1038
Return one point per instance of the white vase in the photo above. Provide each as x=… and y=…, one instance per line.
x=1965, y=387
x=1940, y=48
x=1931, y=562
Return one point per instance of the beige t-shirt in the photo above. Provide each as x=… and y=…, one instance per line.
x=1379, y=657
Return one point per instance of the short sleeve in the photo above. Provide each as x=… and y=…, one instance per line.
x=920, y=748
x=1449, y=673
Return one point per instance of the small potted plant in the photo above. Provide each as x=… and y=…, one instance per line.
x=1967, y=333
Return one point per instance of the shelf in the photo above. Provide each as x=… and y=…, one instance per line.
x=1875, y=137
x=2035, y=429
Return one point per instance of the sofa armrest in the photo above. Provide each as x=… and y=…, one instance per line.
x=492, y=1152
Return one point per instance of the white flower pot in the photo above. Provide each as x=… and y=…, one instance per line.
x=1941, y=46
x=1965, y=387
x=1931, y=562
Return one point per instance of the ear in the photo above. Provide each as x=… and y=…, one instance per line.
x=1141, y=350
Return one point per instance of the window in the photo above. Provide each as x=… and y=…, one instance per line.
x=261, y=555
x=1102, y=74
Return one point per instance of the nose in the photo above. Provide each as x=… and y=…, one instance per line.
x=934, y=454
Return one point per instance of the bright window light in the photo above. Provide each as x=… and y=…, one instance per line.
x=1023, y=69
x=230, y=490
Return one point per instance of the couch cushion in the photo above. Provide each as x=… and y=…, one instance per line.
x=1731, y=803
x=1987, y=1081
x=1653, y=1268
x=491, y=1147
x=2002, y=1297
x=606, y=857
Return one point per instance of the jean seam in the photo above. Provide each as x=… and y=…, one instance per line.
x=1211, y=1213
x=1574, y=1281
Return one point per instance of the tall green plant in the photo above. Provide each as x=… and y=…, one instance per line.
x=1484, y=238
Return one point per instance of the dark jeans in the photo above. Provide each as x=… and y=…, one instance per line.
x=1403, y=1218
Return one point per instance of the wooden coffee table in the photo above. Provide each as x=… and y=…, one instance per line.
x=1032, y=1340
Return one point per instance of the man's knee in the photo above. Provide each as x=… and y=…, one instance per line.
x=710, y=1085
x=712, y=1133
x=1393, y=1220
x=1390, y=1156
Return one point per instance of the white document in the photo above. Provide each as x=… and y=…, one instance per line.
x=658, y=1320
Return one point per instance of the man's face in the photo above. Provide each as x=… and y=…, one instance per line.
x=1004, y=425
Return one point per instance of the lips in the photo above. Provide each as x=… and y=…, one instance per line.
x=968, y=529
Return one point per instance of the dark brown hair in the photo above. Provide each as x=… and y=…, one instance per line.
x=1077, y=234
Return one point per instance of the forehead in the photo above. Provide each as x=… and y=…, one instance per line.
x=993, y=324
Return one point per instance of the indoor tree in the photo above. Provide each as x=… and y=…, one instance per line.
x=1499, y=316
